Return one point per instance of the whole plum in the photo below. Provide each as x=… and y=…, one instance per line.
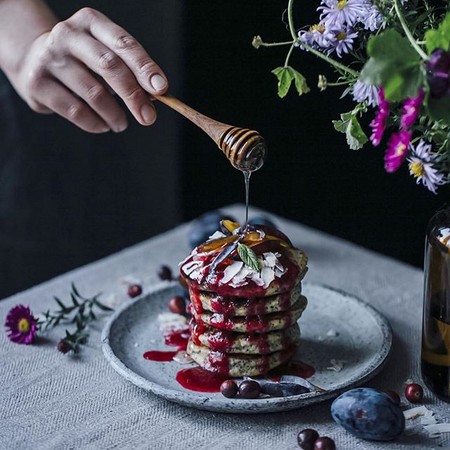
x=204, y=226
x=368, y=414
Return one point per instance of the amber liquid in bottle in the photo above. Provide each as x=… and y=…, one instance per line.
x=435, y=356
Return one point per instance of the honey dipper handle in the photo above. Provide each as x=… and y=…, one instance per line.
x=212, y=128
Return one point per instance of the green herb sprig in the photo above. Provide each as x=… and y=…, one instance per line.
x=80, y=312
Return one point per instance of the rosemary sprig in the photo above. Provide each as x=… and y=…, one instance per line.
x=80, y=312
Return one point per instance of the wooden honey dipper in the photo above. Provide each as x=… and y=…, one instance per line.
x=245, y=149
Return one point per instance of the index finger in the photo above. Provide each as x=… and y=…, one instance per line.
x=148, y=74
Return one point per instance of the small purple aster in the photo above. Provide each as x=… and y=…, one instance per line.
x=343, y=42
x=363, y=92
x=378, y=124
x=422, y=166
x=397, y=149
x=318, y=36
x=21, y=325
x=339, y=13
x=411, y=108
x=373, y=19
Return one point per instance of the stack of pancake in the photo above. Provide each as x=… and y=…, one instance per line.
x=245, y=300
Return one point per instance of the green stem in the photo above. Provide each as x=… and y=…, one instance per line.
x=275, y=44
x=286, y=61
x=341, y=83
x=408, y=34
x=320, y=55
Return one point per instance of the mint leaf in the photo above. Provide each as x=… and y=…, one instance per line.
x=350, y=126
x=286, y=75
x=248, y=256
x=439, y=38
x=393, y=64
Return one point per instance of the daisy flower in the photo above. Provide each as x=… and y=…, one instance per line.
x=343, y=42
x=21, y=325
x=363, y=92
x=397, y=150
x=342, y=12
x=421, y=166
x=316, y=36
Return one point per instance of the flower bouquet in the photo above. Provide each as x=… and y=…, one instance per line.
x=393, y=58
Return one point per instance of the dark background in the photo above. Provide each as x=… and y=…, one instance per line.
x=310, y=176
x=69, y=198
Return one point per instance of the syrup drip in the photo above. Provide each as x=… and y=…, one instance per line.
x=247, y=175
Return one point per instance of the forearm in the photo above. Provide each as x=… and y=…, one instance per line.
x=21, y=22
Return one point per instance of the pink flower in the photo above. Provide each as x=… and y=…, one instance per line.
x=397, y=150
x=21, y=325
x=411, y=108
x=378, y=124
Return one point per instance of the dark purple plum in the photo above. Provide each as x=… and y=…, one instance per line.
x=368, y=414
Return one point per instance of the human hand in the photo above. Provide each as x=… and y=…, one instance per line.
x=74, y=69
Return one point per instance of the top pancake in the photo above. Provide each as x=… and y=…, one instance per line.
x=217, y=266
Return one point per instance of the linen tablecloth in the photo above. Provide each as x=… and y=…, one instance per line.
x=49, y=400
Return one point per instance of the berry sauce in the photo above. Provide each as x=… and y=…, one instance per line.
x=200, y=380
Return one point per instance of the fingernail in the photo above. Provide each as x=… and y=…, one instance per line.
x=148, y=114
x=120, y=127
x=158, y=82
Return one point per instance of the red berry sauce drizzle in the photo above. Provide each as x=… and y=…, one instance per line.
x=203, y=380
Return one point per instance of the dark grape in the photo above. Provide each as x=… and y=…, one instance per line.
x=306, y=438
x=324, y=443
x=414, y=392
x=229, y=388
x=249, y=389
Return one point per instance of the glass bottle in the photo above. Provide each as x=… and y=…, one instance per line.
x=435, y=355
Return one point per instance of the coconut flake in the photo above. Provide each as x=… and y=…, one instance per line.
x=216, y=235
x=436, y=430
x=416, y=412
x=332, y=333
x=232, y=270
x=267, y=275
x=336, y=364
x=191, y=267
x=171, y=321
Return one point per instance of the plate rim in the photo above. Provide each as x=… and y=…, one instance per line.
x=273, y=404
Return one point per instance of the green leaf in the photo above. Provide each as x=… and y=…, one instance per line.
x=102, y=306
x=350, y=126
x=439, y=38
x=393, y=64
x=60, y=303
x=286, y=75
x=248, y=256
x=74, y=299
x=439, y=109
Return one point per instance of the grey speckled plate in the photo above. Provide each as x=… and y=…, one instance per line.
x=335, y=326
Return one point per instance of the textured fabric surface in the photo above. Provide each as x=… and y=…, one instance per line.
x=53, y=401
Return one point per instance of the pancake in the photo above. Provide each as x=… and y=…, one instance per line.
x=251, y=324
x=202, y=301
x=259, y=261
x=237, y=365
x=255, y=343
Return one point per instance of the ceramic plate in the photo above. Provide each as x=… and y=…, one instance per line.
x=343, y=338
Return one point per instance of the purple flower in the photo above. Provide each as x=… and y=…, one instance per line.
x=378, y=124
x=421, y=166
x=316, y=36
x=363, y=92
x=411, y=108
x=342, y=42
x=373, y=19
x=21, y=325
x=340, y=13
x=438, y=73
x=397, y=150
